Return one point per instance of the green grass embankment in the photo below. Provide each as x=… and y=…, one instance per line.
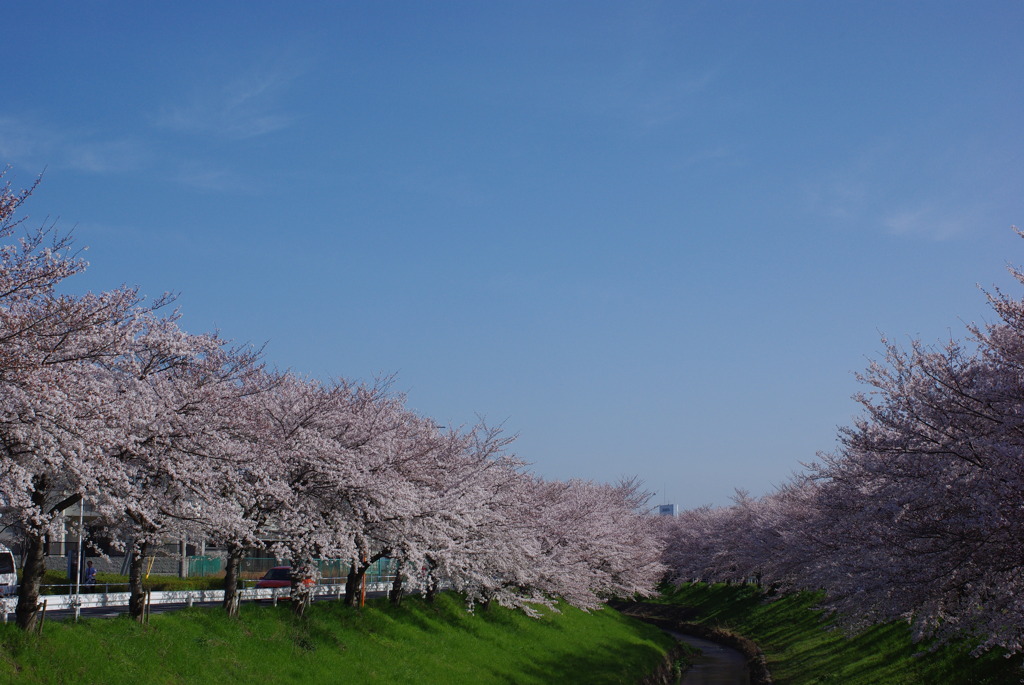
x=802, y=648
x=414, y=643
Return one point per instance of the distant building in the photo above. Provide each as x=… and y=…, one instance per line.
x=667, y=510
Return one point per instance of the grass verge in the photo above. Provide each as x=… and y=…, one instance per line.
x=802, y=648
x=414, y=643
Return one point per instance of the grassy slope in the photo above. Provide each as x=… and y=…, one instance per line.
x=802, y=649
x=415, y=643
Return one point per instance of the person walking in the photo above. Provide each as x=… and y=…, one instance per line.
x=90, y=577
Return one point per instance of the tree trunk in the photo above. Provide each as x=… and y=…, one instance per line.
x=356, y=575
x=27, y=612
x=430, y=591
x=301, y=590
x=231, y=574
x=395, y=595
x=354, y=583
x=137, y=599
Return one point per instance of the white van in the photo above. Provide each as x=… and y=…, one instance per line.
x=8, y=572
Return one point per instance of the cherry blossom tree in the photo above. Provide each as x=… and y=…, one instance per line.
x=322, y=440
x=917, y=515
x=35, y=262
x=53, y=400
x=537, y=541
x=54, y=412
x=927, y=488
x=174, y=427
x=280, y=486
x=457, y=480
x=249, y=487
x=178, y=435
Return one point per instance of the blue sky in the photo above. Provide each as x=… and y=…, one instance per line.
x=650, y=238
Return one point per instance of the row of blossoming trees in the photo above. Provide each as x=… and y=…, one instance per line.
x=919, y=513
x=176, y=435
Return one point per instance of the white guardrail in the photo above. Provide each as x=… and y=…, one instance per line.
x=89, y=600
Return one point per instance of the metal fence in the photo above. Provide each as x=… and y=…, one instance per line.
x=205, y=566
x=186, y=597
x=255, y=567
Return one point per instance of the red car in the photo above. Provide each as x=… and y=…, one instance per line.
x=280, y=576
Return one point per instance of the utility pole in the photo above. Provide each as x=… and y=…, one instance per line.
x=78, y=572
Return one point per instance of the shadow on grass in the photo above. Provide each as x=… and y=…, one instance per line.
x=566, y=647
x=414, y=643
x=802, y=647
x=604, y=664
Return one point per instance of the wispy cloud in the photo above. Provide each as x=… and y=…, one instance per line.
x=901, y=191
x=32, y=147
x=132, y=235
x=933, y=221
x=19, y=142
x=244, y=107
x=201, y=176
x=842, y=199
x=867, y=203
x=35, y=145
x=716, y=155
x=105, y=156
x=633, y=96
x=457, y=189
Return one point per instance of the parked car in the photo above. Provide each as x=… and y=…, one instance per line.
x=280, y=576
x=8, y=573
